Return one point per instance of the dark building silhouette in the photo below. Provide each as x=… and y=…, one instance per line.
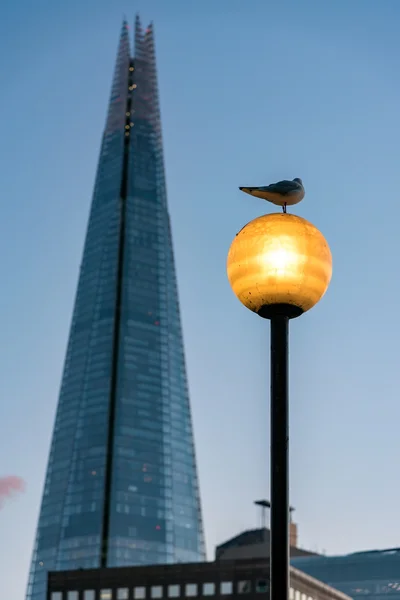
x=231, y=580
x=254, y=543
x=373, y=575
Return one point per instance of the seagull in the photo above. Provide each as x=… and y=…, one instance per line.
x=284, y=193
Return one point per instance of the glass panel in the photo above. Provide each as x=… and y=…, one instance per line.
x=208, y=589
x=56, y=595
x=156, y=591
x=174, y=591
x=244, y=587
x=363, y=588
x=226, y=587
x=106, y=594
x=122, y=594
x=72, y=595
x=89, y=595
x=139, y=593
x=191, y=589
x=262, y=586
x=383, y=587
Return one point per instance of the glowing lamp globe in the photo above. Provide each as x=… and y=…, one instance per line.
x=279, y=264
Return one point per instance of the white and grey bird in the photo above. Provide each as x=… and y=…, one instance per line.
x=284, y=193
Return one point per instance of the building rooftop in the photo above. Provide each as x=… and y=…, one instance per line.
x=252, y=543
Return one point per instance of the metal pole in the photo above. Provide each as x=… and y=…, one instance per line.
x=279, y=550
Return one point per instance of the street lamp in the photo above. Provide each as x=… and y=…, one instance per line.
x=279, y=266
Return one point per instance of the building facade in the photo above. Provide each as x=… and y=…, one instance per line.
x=373, y=575
x=121, y=486
x=221, y=579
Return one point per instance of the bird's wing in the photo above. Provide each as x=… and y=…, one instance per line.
x=282, y=187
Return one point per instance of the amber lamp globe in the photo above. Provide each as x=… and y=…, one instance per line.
x=279, y=262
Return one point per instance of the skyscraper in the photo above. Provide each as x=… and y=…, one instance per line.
x=121, y=484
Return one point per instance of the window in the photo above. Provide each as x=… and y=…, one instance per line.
x=296, y=595
x=291, y=594
x=191, y=589
x=122, y=594
x=262, y=586
x=244, y=587
x=105, y=595
x=174, y=591
x=89, y=595
x=156, y=591
x=364, y=590
x=56, y=596
x=226, y=587
x=208, y=589
x=72, y=595
x=139, y=593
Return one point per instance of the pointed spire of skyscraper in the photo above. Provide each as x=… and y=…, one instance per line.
x=149, y=42
x=124, y=32
x=138, y=38
x=119, y=89
x=124, y=38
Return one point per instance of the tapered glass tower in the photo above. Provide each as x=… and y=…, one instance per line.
x=121, y=484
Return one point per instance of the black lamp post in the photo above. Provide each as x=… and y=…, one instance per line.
x=279, y=266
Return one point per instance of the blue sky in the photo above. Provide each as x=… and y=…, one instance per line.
x=251, y=92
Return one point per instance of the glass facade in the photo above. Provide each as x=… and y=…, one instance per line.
x=373, y=575
x=121, y=485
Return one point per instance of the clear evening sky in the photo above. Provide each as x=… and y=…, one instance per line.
x=251, y=92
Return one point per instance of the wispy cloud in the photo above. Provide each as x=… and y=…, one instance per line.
x=9, y=487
